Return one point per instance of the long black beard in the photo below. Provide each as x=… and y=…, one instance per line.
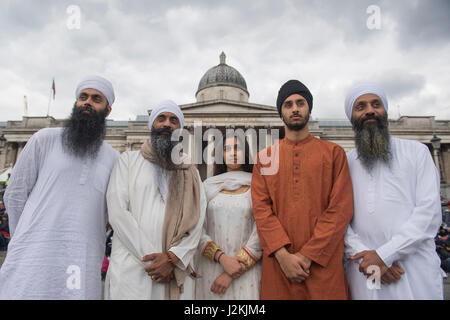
x=372, y=142
x=162, y=145
x=84, y=133
x=296, y=126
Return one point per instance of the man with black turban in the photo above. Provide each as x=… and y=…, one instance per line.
x=302, y=209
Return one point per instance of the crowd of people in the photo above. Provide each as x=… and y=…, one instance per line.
x=443, y=245
x=304, y=221
x=4, y=228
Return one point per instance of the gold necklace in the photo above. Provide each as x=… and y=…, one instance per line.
x=242, y=189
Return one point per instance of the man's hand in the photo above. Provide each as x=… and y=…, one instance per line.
x=392, y=275
x=370, y=258
x=221, y=284
x=161, y=270
x=292, y=265
x=232, y=265
x=305, y=262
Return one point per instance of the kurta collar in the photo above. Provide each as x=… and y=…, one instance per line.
x=301, y=142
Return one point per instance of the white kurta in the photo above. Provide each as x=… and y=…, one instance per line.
x=397, y=213
x=231, y=225
x=136, y=214
x=57, y=213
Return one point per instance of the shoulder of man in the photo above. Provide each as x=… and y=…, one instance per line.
x=351, y=155
x=131, y=156
x=48, y=133
x=46, y=136
x=267, y=152
x=410, y=147
x=328, y=145
x=109, y=149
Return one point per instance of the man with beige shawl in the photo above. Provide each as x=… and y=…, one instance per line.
x=156, y=209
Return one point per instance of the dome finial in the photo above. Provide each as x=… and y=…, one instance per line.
x=222, y=58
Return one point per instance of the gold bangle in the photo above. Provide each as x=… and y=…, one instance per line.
x=246, y=255
x=210, y=249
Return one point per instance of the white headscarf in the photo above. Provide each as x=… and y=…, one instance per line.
x=226, y=181
x=97, y=83
x=358, y=90
x=166, y=106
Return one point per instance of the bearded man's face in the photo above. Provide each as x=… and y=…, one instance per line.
x=86, y=127
x=370, y=124
x=161, y=134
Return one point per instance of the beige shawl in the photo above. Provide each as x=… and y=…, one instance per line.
x=182, y=212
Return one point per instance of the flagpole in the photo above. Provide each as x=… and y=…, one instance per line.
x=25, y=110
x=52, y=91
x=49, y=101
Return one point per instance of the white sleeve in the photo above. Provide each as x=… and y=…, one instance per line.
x=253, y=243
x=186, y=249
x=22, y=181
x=424, y=222
x=204, y=238
x=353, y=243
x=125, y=226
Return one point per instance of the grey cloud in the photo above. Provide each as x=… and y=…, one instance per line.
x=158, y=49
x=399, y=84
x=421, y=23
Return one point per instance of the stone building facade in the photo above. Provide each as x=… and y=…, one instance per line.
x=223, y=103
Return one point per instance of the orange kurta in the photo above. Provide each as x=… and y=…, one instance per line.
x=305, y=206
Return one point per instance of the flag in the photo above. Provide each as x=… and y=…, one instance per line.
x=53, y=88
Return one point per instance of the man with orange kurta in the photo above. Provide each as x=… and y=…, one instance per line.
x=302, y=203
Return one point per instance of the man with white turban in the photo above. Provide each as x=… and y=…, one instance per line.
x=156, y=209
x=56, y=201
x=390, y=241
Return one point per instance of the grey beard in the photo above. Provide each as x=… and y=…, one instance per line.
x=163, y=146
x=373, y=144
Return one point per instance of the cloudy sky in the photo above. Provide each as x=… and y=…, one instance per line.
x=154, y=50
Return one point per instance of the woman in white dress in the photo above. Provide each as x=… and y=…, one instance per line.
x=229, y=249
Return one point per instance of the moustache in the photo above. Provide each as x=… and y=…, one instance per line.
x=161, y=131
x=370, y=117
x=84, y=108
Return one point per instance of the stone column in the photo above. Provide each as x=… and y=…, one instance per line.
x=210, y=158
x=12, y=154
x=191, y=145
x=3, y=156
x=19, y=149
x=437, y=162
x=269, y=141
x=252, y=141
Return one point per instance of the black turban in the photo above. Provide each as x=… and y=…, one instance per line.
x=291, y=87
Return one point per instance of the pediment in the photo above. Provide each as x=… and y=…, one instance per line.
x=226, y=107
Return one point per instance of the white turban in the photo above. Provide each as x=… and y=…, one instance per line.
x=166, y=106
x=97, y=83
x=358, y=90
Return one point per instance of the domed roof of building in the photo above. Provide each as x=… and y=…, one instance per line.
x=222, y=75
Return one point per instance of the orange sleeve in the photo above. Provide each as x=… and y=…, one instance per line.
x=271, y=233
x=332, y=224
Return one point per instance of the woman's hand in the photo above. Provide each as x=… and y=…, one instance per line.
x=221, y=284
x=232, y=265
